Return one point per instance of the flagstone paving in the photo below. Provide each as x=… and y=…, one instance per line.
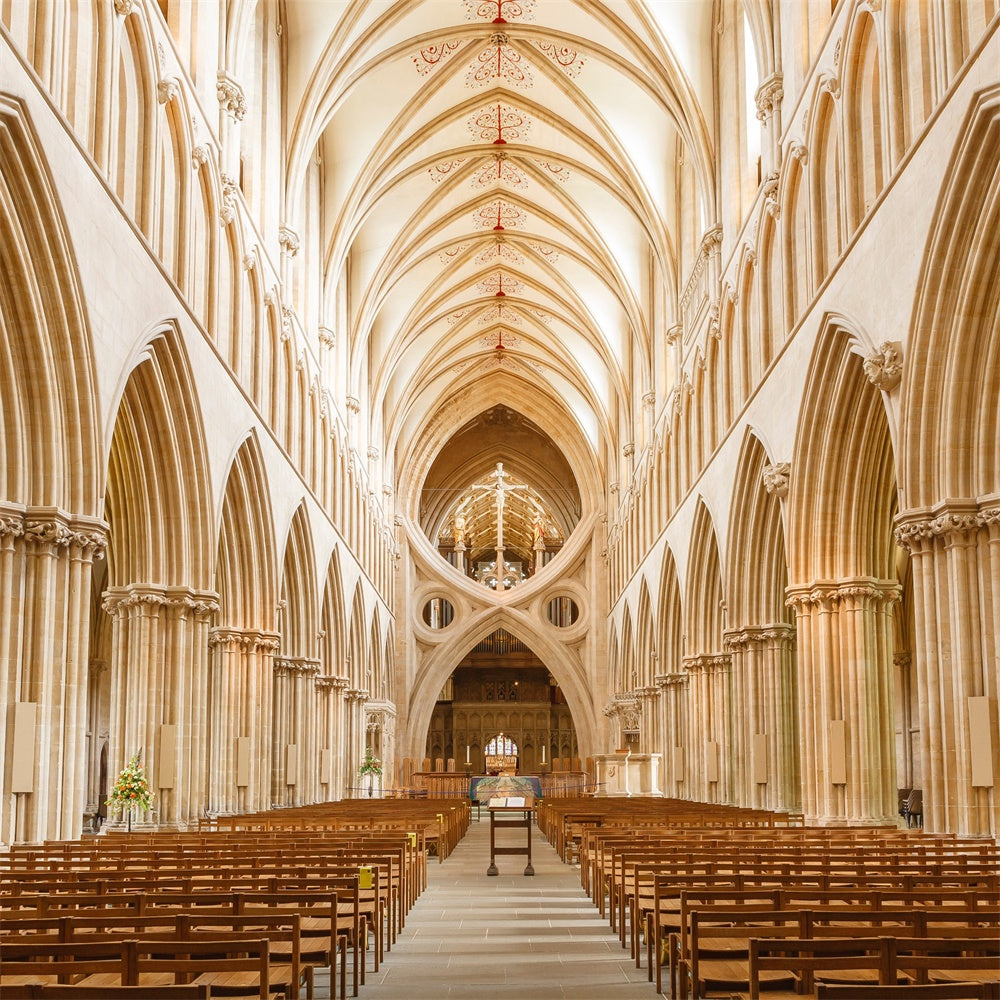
x=475, y=937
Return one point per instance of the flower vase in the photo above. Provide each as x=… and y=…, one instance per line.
x=371, y=785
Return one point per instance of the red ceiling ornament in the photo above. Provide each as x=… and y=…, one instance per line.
x=500, y=170
x=433, y=55
x=500, y=10
x=544, y=250
x=563, y=56
x=496, y=337
x=498, y=314
x=498, y=253
x=449, y=255
x=499, y=62
x=500, y=123
x=554, y=170
x=458, y=314
x=498, y=216
x=442, y=170
x=495, y=285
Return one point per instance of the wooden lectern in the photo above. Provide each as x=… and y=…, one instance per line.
x=503, y=813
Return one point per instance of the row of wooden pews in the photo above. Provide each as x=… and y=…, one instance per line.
x=246, y=906
x=745, y=903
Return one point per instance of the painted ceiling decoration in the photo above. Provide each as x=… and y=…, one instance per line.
x=487, y=166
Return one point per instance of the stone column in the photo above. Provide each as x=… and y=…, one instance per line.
x=159, y=675
x=955, y=550
x=765, y=747
x=281, y=733
x=325, y=735
x=708, y=750
x=354, y=736
x=903, y=686
x=46, y=557
x=676, y=741
x=844, y=662
x=338, y=737
x=97, y=700
x=239, y=700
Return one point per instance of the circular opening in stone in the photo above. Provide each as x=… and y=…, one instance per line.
x=562, y=611
x=438, y=613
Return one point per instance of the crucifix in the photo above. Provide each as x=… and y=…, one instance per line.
x=499, y=482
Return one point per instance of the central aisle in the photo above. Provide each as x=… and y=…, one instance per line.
x=475, y=937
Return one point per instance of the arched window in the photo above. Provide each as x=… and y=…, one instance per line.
x=501, y=746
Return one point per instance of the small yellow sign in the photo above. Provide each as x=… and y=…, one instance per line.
x=364, y=877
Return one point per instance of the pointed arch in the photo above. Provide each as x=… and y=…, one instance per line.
x=704, y=596
x=843, y=437
x=756, y=559
x=951, y=409
x=50, y=433
x=158, y=473
x=866, y=154
x=334, y=620
x=246, y=563
x=439, y=663
x=300, y=605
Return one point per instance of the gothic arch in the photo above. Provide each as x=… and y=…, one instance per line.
x=843, y=437
x=706, y=664
x=246, y=570
x=866, y=118
x=843, y=586
x=300, y=604
x=439, y=663
x=49, y=430
x=761, y=638
x=158, y=473
x=244, y=642
x=952, y=411
x=950, y=474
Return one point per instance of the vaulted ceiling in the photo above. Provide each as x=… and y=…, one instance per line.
x=498, y=189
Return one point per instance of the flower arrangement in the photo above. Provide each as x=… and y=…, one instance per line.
x=131, y=788
x=371, y=764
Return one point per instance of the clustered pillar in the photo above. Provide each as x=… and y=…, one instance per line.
x=955, y=551
x=845, y=700
x=46, y=558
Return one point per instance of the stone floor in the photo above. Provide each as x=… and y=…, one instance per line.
x=475, y=937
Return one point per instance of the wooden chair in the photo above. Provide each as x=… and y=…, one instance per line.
x=831, y=958
x=934, y=991
x=181, y=991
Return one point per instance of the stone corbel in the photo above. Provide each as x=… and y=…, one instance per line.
x=231, y=97
x=776, y=479
x=768, y=97
x=884, y=366
x=288, y=239
x=168, y=89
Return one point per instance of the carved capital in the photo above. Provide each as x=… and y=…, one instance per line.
x=227, y=212
x=798, y=151
x=953, y=522
x=373, y=453
x=327, y=337
x=354, y=404
x=649, y=400
x=768, y=97
x=124, y=7
x=764, y=635
x=199, y=157
x=167, y=89
x=884, y=366
x=776, y=479
x=231, y=97
x=711, y=242
x=673, y=334
x=628, y=450
x=288, y=239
